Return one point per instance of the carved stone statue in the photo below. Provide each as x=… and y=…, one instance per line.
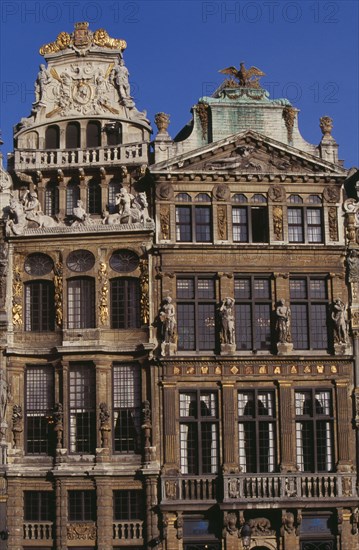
x=226, y=312
x=4, y=398
x=120, y=79
x=17, y=425
x=43, y=78
x=80, y=214
x=339, y=317
x=283, y=314
x=288, y=523
x=260, y=526
x=58, y=416
x=105, y=428
x=230, y=522
x=168, y=320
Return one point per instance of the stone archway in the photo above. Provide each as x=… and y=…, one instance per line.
x=264, y=543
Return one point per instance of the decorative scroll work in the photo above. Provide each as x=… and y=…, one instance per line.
x=81, y=40
x=222, y=225
x=278, y=222
x=81, y=531
x=333, y=223
x=144, y=283
x=103, y=298
x=17, y=295
x=165, y=222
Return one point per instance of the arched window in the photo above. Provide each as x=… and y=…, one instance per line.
x=39, y=306
x=125, y=303
x=81, y=302
x=94, y=197
x=51, y=199
x=52, y=137
x=73, y=135
x=114, y=135
x=72, y=196
x=93, y=134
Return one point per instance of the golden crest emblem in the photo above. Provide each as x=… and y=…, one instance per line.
x=81, y=36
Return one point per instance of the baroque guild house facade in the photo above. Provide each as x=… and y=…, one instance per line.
x=179, y=320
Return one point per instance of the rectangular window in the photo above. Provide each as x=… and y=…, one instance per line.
x=196, y=308
x=81, y=303
x=39, y=506
x=183, y=223
x=309, y=308
x=203, y=223
x=250, y=224
x=199, y=432
x=295, y=225
x=253, y=312
x=125, y=303
x=314, y=224
x=305, y=225
x=127, y=408
x=314, y=430
x=39, y=407
x=257, y=431
x=82, y=387
x=39, y=306
x=82, y=506
x=128, y=505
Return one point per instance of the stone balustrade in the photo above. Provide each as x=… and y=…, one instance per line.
x=38, y=530
x=135, y=153
x=267, y=487
x=129, y=531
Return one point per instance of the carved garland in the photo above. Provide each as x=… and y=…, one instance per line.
x=165, y=222
x=103, y=302
x=222, y=222
x=278, y=222
x=333, y=223
x=145, y=302
x=58, y=287
x=17, y=295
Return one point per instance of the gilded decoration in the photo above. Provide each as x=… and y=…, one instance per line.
x=289, y=118
x=333, y=223
x=82, y=39
x=222, y=225
x=17, y=294
x=103, y=298
x=58, y=288
x=144, y=283
x=247, y=78
x=202, y=112
x=278, y=222
x=81, y=531
x=165, y=222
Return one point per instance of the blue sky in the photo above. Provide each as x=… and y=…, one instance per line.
x=308, y=50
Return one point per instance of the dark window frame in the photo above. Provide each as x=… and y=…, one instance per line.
x=305, y=337
x=199, y=457
x=52, y=199
x=81, y=506
x=39, y=306
x=194, y=219
x=39, y=404
x=81, y=313
x=82, y=408
x=39, y=506
x=315, y=448
x=125, y=295
x=195, y=337
x=304, y=223
x=126, y=417
x=93, y=138
x=256, y=424
x=73, y=135
x=255, y=222
x=52, y=137
x=94, y=196
x=128, y=505
x=249, y=340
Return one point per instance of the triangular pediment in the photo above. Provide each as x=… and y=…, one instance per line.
x=249, y=152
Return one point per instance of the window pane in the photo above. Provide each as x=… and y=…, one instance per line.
x=81, y=303
x=318, y=288
x=82, y=409
x=39, y=506
x=298, y=288
x=39, y=306
x=318, y=328
x=262, y=326
x=295, y=225
x=205, y=288
x=185, y=288
x=242, y=288
x=259, y=224
x=125, y=303
x=300, y=326
x=183, y=224
x=314, y=221
x=127, y=407
x=82, y=506
x=243, y=326
x=39, y=406
x=240, y=224
x=261, y=288
x=128, y=505
x=206, y=326
x=203, y=223
x=186, y=326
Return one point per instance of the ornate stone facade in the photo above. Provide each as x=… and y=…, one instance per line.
x=177, y=329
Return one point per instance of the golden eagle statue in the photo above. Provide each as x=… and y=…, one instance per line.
x=248, y=78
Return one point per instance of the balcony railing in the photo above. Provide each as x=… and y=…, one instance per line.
x=196, y=488
x=38, y=530
x=267, y=487
x=128, y=531
x=131, y=153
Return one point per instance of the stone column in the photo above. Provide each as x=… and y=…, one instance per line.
x=152, y=532
x=15, y=517
x=288, y=531
x=287, y=434
x=104, y=514
x=61, y=515
x=230, y=438
x=345, y=464
x=171, y=534
x=170, y=432
x=104, y=192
